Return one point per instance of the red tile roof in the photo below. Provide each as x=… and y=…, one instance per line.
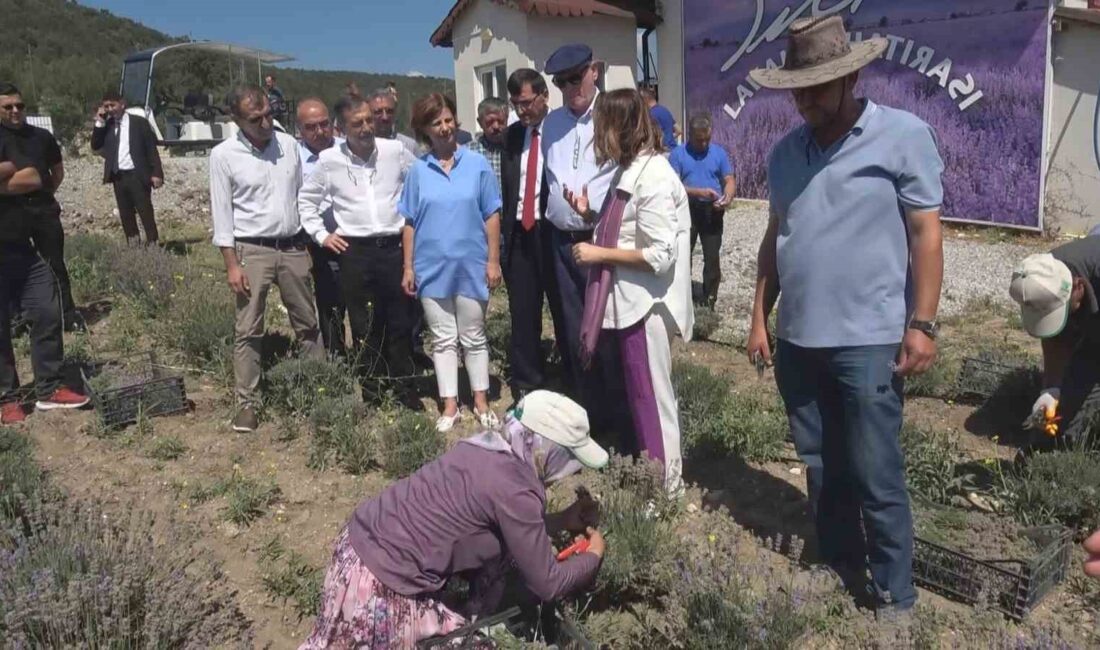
x=442, y=36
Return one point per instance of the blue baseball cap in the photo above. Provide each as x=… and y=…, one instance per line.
x=568, y=57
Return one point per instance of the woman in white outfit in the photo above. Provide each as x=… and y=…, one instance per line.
x=639, y=282
x=451, y=240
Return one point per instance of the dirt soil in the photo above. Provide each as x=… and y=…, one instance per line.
x=768, y=500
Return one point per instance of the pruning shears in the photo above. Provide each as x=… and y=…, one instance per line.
x=1046, y=419
x=758, y=361
x=576, y=548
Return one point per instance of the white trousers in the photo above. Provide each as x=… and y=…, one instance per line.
x=658, y=338
x=454, y=321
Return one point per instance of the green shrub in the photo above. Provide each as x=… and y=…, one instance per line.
x=199, y=326
x=498, y=330
x=930, y=457
x=294, y=386
x=287, y=576
x=707, y=322
x=167, y=448
x=639, y=541
x=81, y=578
x=340, y=437
x=21, y=480
x=717, y=421
x=248, y=499
x=939, y=381
x=147, y=275
x=1058, y=487
x=87, y=259
x=407, y=441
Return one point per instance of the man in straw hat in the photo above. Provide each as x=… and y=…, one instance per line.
x=854, y=242
x=1057, y=293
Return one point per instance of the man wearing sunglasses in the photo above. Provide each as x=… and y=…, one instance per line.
x=254, y=181
x=316, y=130
x=25, y=279
x=131, y=164
x=44, y=214
x=571, y=168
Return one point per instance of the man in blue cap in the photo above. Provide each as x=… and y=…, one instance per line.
x=570, y=167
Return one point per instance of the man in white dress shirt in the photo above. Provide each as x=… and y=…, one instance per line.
x=570, y=166
x=316, y=128
x=254, y=182
x=383, y=104
x=362, y=179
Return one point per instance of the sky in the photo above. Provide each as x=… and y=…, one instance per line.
x=385, y=36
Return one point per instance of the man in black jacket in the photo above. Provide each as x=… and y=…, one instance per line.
x=525, y=251
x=130, y=162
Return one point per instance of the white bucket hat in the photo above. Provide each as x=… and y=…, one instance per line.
x=561, y=420
x=1042, y=286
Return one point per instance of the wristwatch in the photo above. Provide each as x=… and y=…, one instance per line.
x=930, y=327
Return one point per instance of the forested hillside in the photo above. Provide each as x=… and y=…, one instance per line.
x=63, y=56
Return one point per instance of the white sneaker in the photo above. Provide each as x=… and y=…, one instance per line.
x=447, y=422
x=488, y=419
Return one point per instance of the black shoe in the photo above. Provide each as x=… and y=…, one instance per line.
x=74, y=322
x=246, y=420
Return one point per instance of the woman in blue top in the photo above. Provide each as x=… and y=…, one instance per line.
x=451, y=203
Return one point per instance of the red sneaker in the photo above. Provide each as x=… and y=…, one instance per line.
x=12, y=413
x=62, y=398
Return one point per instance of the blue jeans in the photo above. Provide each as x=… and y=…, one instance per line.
x=844, y=406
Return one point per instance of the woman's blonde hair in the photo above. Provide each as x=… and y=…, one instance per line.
x=624, y=129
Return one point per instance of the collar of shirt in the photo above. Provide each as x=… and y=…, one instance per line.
x=272, y=144
x=434, y=162
x=586, y=116
x=806, y=133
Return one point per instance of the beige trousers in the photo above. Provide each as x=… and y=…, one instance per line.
x=288, y=270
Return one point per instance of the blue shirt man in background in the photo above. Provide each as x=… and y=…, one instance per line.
x=707, y=174
x=855, y=245
x=663, y=117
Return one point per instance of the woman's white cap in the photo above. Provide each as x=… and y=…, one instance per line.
x=559, y=419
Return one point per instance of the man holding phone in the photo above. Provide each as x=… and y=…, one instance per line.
x=708, y=177
x=130, y=162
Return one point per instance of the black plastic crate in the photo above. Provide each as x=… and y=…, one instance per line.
x=124, y=387
x=1013, y=587
x=476, y=634
x=981, y=379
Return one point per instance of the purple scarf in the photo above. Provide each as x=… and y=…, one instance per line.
x=599, y=275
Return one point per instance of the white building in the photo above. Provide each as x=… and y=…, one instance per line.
x=491, y=38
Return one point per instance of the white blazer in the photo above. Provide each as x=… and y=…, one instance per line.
x=657, y=222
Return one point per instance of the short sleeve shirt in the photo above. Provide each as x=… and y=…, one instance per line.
x=843, y=248
x=38, y=147
x=663, y=117
x=448, y=215
x=701, y=169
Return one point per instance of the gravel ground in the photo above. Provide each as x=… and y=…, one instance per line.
x=89, y=205
x=975, y=267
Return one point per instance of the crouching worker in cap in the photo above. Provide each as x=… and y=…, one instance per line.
x=476, y=510
x=1057, y=293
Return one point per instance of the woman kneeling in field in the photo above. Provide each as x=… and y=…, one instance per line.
x=475, y=511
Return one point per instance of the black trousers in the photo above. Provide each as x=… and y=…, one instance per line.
x=49, y=238
x=329, y=294
x=27, y=281
x=135, y=197
x=529, y=275
x=381, y=314
x=707, y=225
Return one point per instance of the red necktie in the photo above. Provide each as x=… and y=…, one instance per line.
x=528, y=217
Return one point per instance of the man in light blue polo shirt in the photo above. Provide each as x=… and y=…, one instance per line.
x=855, y=245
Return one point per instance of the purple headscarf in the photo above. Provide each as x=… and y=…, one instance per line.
x=551, y=461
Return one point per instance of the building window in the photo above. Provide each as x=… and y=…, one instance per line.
x=493, y=80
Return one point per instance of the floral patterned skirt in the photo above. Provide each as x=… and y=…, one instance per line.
x=358, y=611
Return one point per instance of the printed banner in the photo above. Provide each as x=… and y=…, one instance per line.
x=973, y=69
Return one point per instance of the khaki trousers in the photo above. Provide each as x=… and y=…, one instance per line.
x=290, y=271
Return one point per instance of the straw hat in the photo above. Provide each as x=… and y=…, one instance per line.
x=818, y=52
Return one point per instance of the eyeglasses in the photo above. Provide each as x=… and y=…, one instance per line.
x=318, y=126
x=17, y=106
x=572, y=80
x=524, y=104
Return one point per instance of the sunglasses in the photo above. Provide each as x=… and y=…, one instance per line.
x=572, y=80
x=18, y=106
